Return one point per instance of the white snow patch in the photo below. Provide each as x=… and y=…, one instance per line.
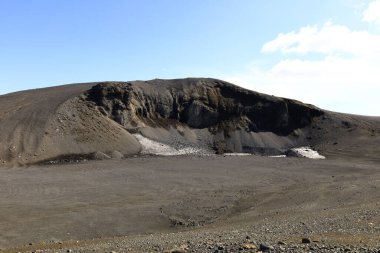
x=151, y=147
x=237, y=154
x=308, y=153
x=277, y=156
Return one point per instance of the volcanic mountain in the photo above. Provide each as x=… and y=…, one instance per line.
x=85, y=120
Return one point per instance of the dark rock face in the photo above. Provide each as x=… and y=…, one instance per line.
x=199, y=103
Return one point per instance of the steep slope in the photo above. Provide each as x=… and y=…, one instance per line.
x=46, y=123
x=212, y=115
x=200, y=103
x=236, y=120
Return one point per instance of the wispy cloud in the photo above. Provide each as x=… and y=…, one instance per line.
x=345, y=77
x=372, y=13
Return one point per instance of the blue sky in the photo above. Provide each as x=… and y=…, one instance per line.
x=308, y=50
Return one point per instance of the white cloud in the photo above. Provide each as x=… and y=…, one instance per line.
x=329, y=39
x=372, y=13
x=337, y=84
x=344, y=78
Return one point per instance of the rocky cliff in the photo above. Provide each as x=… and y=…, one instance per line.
x=224, y=109
x=199, y=103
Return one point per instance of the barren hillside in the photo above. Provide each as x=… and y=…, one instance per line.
x=85, y=120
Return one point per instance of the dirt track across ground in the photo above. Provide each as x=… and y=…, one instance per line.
x=269, y=199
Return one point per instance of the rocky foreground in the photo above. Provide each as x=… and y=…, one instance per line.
x=239, y=240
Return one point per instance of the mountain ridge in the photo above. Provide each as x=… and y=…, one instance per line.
x=81, y=119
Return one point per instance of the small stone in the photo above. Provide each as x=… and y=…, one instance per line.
x=178, y=251
x=264, y=247
x=248, y=246
x=181, y=249
x=116, y=155
x=99, y=156
x=281, y=243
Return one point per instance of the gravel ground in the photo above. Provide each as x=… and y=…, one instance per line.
x=192, y=204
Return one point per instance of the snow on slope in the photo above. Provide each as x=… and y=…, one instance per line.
x=151, y=147
x=307, y=152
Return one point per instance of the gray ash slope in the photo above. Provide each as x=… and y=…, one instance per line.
x=211, y=114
